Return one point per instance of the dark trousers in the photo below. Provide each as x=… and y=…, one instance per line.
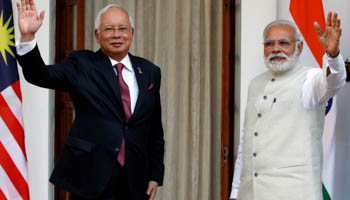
x=117, y=189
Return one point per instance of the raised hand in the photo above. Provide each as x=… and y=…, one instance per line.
x=28, y=20
x=330, y=37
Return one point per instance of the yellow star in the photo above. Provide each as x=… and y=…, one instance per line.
x=6, y=37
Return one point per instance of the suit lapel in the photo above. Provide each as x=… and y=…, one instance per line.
x=104, y=67
x=142, y=77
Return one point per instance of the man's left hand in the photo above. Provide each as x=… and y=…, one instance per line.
x=329, y=39
x=152, y=190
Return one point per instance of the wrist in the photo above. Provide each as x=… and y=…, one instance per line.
x=27, y=37
x=332, y=54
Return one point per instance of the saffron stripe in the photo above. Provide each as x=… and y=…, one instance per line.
x=14, y=175
x=305, y=13
x=12, y=123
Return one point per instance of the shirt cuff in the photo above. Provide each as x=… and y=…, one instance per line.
x=234, y=194
x=335, y=64
x=25, y=47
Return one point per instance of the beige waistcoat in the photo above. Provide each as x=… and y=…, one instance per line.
x=282, y=145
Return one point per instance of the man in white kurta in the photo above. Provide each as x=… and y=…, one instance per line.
x=280, y=153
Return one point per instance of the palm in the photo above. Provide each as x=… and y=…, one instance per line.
x=329, y=39
x=28, y=20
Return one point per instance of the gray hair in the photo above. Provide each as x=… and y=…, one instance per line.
x=298, y=36
x=103, y=10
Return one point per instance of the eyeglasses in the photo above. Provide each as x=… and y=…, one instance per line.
x=123, y=29
x=283, y=43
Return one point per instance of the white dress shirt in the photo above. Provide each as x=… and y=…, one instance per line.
x=316, y=90
x=128, y=71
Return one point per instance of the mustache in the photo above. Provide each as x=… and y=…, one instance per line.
x=276, y=55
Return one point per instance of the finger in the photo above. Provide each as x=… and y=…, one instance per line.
x=41, y=16
x=32, y=5
x=334, y=19
x=27, y=5
x=19, y=8
x=318, y=29
x=23, y=4
x=329, y=18
x=338, y=25
x=153, y=194
x=149, y=190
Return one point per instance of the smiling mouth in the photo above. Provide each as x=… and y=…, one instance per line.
x=277, y=58
x=116, y=44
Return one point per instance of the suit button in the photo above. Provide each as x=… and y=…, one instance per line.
x=117, y=149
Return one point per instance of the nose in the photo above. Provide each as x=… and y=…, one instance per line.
x=116, y=33
x=276, y=48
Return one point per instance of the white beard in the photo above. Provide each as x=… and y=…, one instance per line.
x=284, y=65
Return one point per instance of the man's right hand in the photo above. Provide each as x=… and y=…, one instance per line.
x=28, y=20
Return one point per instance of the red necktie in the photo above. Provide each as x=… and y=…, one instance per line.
x=125, y=95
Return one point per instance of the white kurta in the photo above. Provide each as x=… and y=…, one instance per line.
x=281, y=160
x=314, y=91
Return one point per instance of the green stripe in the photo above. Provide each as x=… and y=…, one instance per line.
x=325, y=193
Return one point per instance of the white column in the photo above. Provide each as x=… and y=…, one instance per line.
x=38, y=104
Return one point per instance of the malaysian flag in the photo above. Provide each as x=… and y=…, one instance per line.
x=13, y=161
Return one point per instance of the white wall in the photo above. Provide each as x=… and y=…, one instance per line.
x=38, y=111
x=255, y=15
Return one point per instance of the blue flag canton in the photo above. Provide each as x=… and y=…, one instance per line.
x=8, y=64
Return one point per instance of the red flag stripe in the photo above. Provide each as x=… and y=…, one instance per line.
x=2, y=195
x=16, y=87
x=12, y=123
x=14, y=103
x=13, y=173
x=305, y=13
x=13, y=149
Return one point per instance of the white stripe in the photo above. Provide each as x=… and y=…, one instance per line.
x=13, y=149
x=7, y=187
x=14, y=103
x=328, y=140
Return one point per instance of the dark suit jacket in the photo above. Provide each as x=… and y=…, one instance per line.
x=90, y=151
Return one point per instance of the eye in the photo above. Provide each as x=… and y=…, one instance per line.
x=284, y=43
x=123, y=29
x=269, y=43
x=108, y=29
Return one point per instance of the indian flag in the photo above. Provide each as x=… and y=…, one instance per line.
x=305, y=13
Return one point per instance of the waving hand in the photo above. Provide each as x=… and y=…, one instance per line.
x=331, y=35
x=28, y=20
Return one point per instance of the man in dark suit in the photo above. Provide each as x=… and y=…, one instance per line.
x=115, y=148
